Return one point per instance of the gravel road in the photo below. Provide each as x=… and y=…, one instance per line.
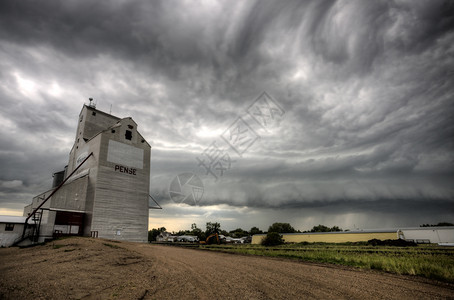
x=83, y=268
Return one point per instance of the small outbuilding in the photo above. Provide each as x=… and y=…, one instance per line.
x=428, y=235
x=11, y=229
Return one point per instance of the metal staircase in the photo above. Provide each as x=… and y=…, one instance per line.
x=37, y=213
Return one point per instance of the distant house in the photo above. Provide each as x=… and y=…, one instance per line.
x=169, y=238
x=187, y=238
x=231, y=240
x=166, y=237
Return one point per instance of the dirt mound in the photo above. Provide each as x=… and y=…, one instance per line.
x=73, y=268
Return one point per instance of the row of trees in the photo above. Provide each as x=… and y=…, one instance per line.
x=274, y=237
x=215, y=227
x=287, y=228
x=437, y=225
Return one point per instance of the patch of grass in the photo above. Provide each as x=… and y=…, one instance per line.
x=32, y=245
x=57, y=246
x=69, y=250
x=428, y=261
x=64, y=237
x=111, y=246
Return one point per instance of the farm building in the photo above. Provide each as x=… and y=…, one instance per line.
x=11, y=228
x=426, y=235
x=166, y=237
x=440, y=235
x=104, y=189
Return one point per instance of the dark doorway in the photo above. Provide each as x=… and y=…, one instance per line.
x=69, y=223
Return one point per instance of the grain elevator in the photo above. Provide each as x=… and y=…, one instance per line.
x=104, y=189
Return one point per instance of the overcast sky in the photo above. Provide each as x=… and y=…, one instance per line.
x=361, y=96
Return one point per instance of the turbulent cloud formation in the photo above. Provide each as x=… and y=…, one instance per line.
x=366, y=139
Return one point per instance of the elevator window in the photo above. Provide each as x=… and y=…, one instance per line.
x=128, y=135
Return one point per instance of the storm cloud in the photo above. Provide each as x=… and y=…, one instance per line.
x=366, y=89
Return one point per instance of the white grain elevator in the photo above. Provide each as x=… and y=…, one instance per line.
x=108, y=194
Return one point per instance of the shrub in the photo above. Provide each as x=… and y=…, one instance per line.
x=397, y=243
x=272, y=239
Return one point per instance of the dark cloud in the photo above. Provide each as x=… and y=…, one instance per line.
x=366, y=87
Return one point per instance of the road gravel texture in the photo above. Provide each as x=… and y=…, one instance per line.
x=85, y=268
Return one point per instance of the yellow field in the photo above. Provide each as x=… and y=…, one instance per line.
x=331, y=237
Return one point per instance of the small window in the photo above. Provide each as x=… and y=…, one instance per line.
x=113, y=130
x=128, y=135
x=9, y=227
x=93, y=113
x=130, y=127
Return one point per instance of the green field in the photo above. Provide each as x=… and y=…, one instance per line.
x=428, y=261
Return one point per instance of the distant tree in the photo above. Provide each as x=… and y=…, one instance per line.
x=224, y=232
x=335, y=228
x=444, y=224
x=197, y=232
x=153, y=233
x=183, y=232
x=323, y=228
x=272, y=239
x=281, y=228
x=437, y=225
x=202, y=236
x=237, y=233
x=255, y=230
x=212, y=227
x=320, y=228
